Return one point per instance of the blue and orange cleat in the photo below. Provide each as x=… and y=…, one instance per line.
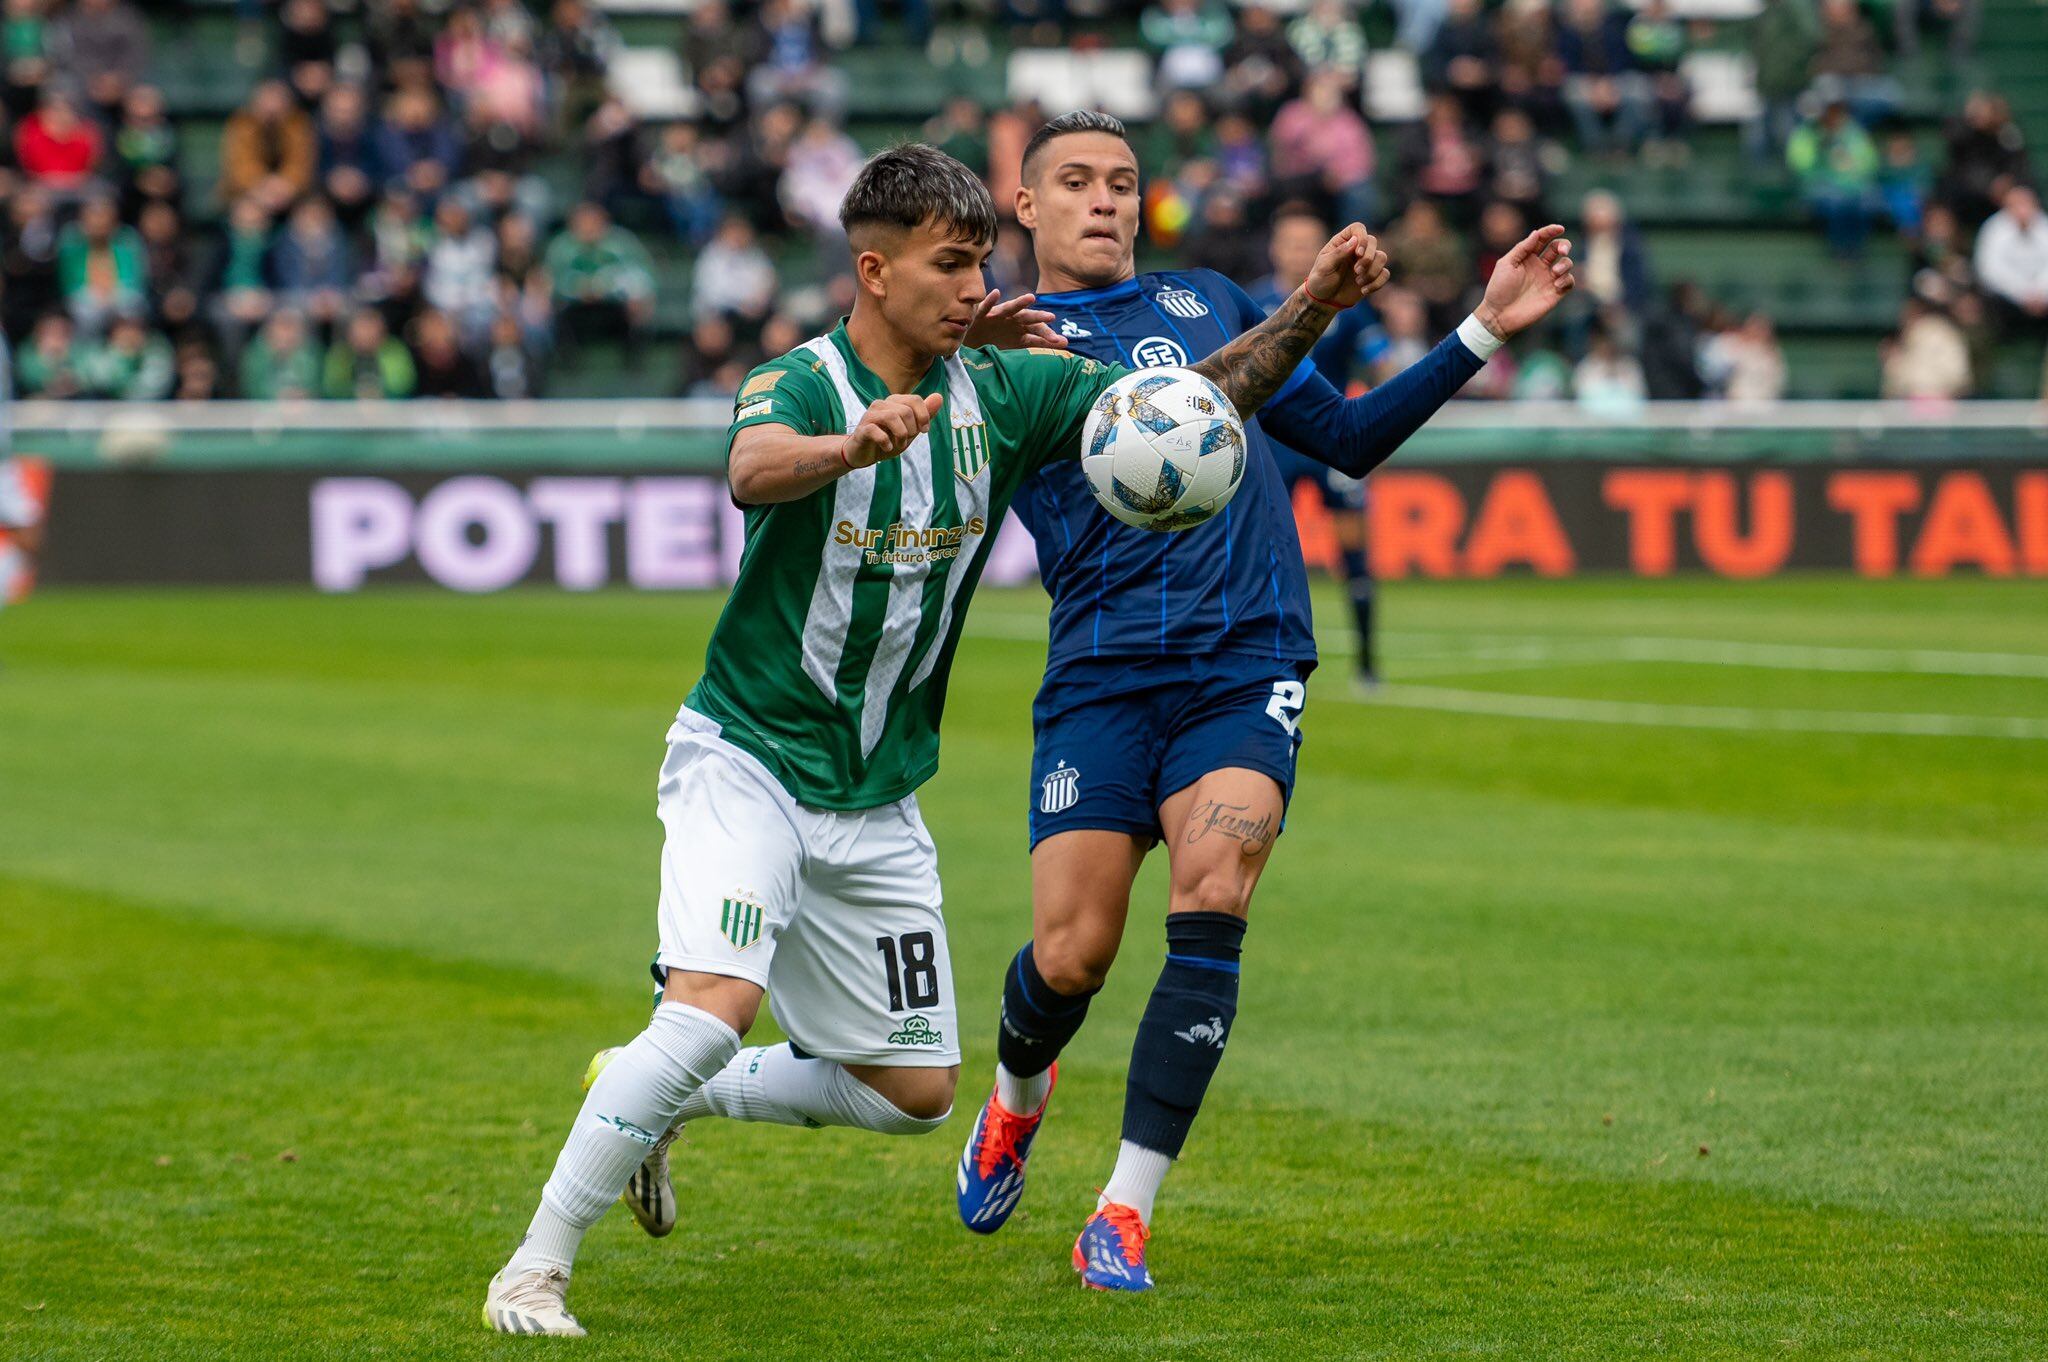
x=1110, y=1254
x=991, y=1175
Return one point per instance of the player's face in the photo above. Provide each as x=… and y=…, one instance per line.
x=1082, y=209
x=1296, y=242
x=928, y=285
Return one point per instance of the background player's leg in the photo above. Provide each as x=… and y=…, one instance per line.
x=632, y=1102
x=1080, y=896
x=1221, y=830
x=1349, y=515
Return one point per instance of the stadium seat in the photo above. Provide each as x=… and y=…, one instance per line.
x=1393, y=86
x=650, y=80
x=1117, y=80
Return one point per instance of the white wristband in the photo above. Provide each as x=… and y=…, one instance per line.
x=1478, y=339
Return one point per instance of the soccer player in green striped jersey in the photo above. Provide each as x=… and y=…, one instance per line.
x=874, y=464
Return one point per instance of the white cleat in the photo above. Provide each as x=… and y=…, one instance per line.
x=531, y=1303
x=650, y=1195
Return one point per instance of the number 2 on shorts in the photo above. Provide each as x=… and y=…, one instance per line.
x=1285, y=706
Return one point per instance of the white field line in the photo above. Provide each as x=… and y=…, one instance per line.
x=1705, y=716
x=1558, y=649
x=1496, y=653
x=1770, y=656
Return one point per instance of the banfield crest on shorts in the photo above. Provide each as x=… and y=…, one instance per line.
x=1061, y=788
x=740, y=921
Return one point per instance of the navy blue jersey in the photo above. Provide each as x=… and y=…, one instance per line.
x=1235, y=583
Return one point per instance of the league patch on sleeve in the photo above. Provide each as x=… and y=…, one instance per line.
x=748, y=410
x=761, y=383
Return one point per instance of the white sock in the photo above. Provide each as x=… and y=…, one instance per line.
x=1135, y=1180
x=634, y=1100
x=1022, y=1096
x=769, y=1083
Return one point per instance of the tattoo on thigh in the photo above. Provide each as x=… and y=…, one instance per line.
x=1230, y=820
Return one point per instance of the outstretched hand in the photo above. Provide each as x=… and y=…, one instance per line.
x=888, y=427
x=1012, y=325
x=1350, y=265
x=1530, y=281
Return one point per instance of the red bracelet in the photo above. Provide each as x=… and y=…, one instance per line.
x=1334, y=307
x=842, y=456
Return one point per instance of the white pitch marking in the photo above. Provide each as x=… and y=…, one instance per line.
x=1554, y=649
x=1730, y=653
x=1706, y=716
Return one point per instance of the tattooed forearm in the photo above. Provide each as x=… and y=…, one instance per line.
x=770, y=464
x=811, y=468
x=1251, y=368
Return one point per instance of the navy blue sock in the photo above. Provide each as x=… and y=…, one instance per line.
x=1180, y=1041
x=1037, y=1022
x=1359, y=579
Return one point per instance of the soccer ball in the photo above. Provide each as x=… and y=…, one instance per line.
x=1163, y=449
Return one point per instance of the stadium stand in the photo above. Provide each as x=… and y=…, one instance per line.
x=634, y=197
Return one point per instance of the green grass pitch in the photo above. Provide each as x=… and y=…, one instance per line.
x=1655, y=971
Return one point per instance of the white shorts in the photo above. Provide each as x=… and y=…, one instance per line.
x=835, y=914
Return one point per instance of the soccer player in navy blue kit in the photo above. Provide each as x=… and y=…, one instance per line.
x=1175, y=679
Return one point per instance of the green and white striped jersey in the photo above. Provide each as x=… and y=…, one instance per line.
x=830, y=660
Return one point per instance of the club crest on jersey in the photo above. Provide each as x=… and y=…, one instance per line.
x=970, y=450
x=1158, y=352
x=740, y=921
x=1182, y=302
x=1059, y=790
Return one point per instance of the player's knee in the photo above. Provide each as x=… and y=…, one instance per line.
x=923, y=1098
x=1073, y=963
x=1210, y=889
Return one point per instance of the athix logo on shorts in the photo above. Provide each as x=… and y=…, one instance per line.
x=916, y=1030
x=1158, y=352
x=1182, y=302
x=740, y=920
x=1059, y=790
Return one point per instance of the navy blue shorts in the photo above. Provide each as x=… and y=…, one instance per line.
x=1115, y=736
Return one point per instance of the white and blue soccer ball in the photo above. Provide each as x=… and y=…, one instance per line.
x=1163, y=449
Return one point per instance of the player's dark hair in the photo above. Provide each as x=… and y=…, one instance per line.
x=913, y=184
x=1296, y=208
x=1080, y=120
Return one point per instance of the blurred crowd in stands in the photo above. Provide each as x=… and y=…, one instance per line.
x=378, y=226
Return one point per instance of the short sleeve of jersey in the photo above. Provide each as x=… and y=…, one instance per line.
x=1057, y=388
x=788, y=392
x=1250, y=314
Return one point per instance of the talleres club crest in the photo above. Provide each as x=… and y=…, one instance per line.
x=1059, y=790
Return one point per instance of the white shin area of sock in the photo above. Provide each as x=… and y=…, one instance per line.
x=1135, y=1180
x=769, y=1083
x=1022, y=1096
x=634, y=1100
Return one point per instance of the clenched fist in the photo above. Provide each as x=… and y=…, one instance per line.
x=887, y=428
x=1349, y=266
